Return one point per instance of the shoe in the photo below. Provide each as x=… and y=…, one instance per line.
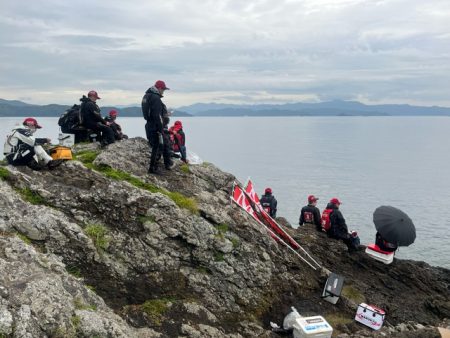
x=154, y=171
x=54, y=163
x=170, y=166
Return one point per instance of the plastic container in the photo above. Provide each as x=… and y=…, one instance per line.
x=382, y=256
x=312, y=327
x=370, y=316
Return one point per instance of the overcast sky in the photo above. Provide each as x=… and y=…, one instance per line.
x=226, y=51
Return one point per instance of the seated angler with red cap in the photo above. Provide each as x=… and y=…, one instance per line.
x=269, y=203
x=178, y=140
x=310, y=214
x=92, y=119
x=116, y=128
x=22, y=148
x=333, y=222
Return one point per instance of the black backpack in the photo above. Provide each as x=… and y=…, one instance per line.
x=70, y=119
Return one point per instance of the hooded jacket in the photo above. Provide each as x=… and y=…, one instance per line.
x=21, y=135
x=338, y=226
x=269, y=201
x=90, y=112
x=153, y=109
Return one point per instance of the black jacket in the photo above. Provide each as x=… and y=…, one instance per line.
x=338, y=226
x=315, y=212
x=153, y=109
x=90, y=112
x=268, y=201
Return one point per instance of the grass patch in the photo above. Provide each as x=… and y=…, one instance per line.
x=86, y=156
x=335, y=319
x=4, y=174
x=74, y=271
x=76, y=321
x=31, y=196
x=203, y=270
x=155, y=309
x=91, y=287
x=185, y=168
x=99, y=235
x=219, y=257
x=80, y=305
x=145, y=219
x=235, y=242
x=222, y=228
x=183, y=201
x=353, y=294
x=24, y=238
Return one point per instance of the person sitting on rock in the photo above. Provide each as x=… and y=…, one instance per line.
x=269, y=202
x=116, y=128
x=383, y=244
x=338, y=227
x=92, y=119
x=22, y=148
x=310, y=214
x=178, y=140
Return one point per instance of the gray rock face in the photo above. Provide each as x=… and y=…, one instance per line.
x=166, y=256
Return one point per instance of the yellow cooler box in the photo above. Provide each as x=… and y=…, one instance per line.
x=61, y=153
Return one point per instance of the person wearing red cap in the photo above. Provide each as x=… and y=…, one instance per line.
x=338, y=227
x=22, y=148
x=310, y=214
x=92, y=119
x=116, y=128
x=157, y=117
x=178, y=139
x=269, y=203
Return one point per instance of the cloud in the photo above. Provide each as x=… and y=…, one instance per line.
x=227, y=50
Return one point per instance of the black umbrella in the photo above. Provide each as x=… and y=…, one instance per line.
x=394, y=225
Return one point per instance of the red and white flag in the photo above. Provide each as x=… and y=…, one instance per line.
x=240, y=199
x=250, y=189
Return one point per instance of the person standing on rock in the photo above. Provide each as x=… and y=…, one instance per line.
x=157, y=117
x=269, y=203
x=338, y=227
x=92, y=119
x=310, y=214
x=22, y=148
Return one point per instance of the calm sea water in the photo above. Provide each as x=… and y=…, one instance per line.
x=364, y=161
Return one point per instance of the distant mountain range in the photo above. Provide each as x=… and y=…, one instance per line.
x=332, y=108
x=19, y=108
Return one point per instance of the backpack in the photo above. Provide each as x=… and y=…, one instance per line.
x=70, y=119
x=325, y=220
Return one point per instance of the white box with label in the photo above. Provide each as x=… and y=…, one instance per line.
x=370, y=316
x=312, y=327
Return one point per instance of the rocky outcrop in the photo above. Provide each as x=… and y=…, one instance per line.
x=97, y=247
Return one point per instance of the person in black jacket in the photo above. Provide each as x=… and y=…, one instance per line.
x=339, y=229
x=310, y=214
x=384, y=244
x=269, y=203
x=157, y=117
x=92, y=119
x=115, y=127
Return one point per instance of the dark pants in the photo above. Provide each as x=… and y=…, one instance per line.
x=105, y=131
x=23, y=156
x=157, y=148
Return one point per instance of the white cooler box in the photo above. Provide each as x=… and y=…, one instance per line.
x=312, y=327
x=66, y=140
x=382, y=256
x=370, y=316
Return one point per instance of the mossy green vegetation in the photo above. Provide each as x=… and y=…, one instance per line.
x=86, y=156
x=99, y=235
x=235, y=242
x=31, y=196
x=4, y=174
x=73, y=270
x=24, y=238
x=75, y=320
x=145, y=219
x=185, y=168
x=353, y=294
x=155, y=309
x=335, y=319
x=80, y=305
x=219, y=257
x=182, y=201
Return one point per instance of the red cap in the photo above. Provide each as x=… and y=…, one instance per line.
x=29, y=121
x=178, y=123
x=268, y=191
x=335, y=201
x=161, y=85
x=94, y=94
x=312, y=198
x=113, y=113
